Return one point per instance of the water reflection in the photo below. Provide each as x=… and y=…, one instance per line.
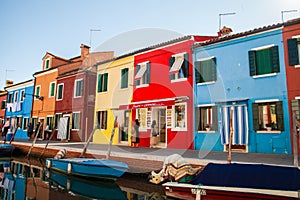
x=29, y=179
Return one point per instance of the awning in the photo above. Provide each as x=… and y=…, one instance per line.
x=148, y=104
x=141, y=72
x=177, y=64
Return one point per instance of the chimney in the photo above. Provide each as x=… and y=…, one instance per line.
x=225, y=31
x=85, y=50
x=9, y=83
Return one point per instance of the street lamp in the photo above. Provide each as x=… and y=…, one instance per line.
x=91, y=30
x=223, y=14
x=286, y=11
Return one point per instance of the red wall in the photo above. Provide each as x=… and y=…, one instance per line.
x=292, y=73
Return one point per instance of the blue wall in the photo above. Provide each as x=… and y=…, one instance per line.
x=26, y=107
x=235, y=83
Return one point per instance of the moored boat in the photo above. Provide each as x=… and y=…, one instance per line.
x=6, y=150
x=239, y=181
x=88, y=167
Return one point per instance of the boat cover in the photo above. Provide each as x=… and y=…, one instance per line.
x=257, y=176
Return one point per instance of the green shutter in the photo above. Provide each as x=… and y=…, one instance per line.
x=214, y=125
x=171, y=62
x=275, y=59
x=255, y=116
x=197, y=71
x=264, y=62
x=148, y=73
x=252, y=63
x=186, y=65
x=293, y=53
x=52, y=89
x=99, y=83
x=206, y=70
x=137, y=68
x=37, y=91
x=213, y=69
x=105, y=82
x=280, y=119
x=124, y=78
x=47, y=64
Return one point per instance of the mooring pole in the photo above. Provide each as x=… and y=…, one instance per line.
x=295, y=142
x=230, y=138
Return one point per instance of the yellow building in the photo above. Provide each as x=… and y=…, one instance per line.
x=114, y=88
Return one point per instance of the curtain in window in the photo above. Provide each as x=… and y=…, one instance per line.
x=239, y=124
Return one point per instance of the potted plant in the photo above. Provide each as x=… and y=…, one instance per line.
x=269, y=126
x=207, y=127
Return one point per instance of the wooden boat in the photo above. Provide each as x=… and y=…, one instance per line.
x=239, y=181
x=88, y=167
x=93, y=189
x=6, y=150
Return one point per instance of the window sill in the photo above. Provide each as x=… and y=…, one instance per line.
x=297, y=66
x=178, y=80
x=178, y=129
x=207, y=131
x=207, y=83
x=264, y=131
x=264, y=75
x=141, y=86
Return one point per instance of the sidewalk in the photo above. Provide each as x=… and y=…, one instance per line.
x=152, y=157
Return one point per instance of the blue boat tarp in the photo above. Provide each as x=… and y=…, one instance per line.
x=256, y=176
x=6, y=146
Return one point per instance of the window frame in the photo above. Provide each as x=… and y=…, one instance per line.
x=213, y=113
x=25, y=123
x=37, y=92
x=62, y=91
x=16, y=97
x=124, y=78
x=293, y=49
x=76, y=126
x=144, y=81
x=101, y=117
x=200, y=67
x=47, y=64
x=56, y=120
x=76, y=95
x=175, y=117
x=183, y=72
x=102, y=82
x=49, y=121
x=52, y=85
x=22, y=95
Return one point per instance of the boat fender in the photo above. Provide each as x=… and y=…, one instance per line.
x=48, y=164
x=69, y=168
x=61, y=154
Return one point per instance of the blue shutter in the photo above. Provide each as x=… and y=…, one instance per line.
x=252, y=63
x=293, y=53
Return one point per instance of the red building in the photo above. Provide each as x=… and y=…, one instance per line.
x=291, y=39
x=75, y=95
x=163, y=91
x=3, y=95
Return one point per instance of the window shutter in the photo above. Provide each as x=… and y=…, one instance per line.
x=197, y=119
x=280, y=122
x=252, y=63
x=197, y=71
x=214, y=118
x=255, y=116
x=99, y=83
x=137, y=68
x=275, y=59
x=148, y=73
x=213, y=69
x=293, y=53
x=124, y=78
x=186, y=65
x=296, y=107
x=171, y=62
x=105, y=81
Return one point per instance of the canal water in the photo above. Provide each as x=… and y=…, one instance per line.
x=22, y=179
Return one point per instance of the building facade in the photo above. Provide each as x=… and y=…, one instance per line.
x=240, y=87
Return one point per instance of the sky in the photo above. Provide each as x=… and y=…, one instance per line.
x=29, y=29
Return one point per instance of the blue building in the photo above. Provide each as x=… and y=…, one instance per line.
x=240, y=88
x=19, y=106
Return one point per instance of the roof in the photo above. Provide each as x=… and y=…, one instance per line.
x=237, y=35
x=292, y=22
x=18, y=84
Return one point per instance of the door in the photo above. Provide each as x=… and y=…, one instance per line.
x=236, y=117
x=159, y=114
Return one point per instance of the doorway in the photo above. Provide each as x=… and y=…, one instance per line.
x=159, y=114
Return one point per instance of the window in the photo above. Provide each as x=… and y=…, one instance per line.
x=37, y=91
x=142, y=72
x=47, y=63
x=49, y=122
x=264, y=60
x=34, y=121
x=78, y=92
x=75, y=120
x=124, y=78
x=22, y=95
x=60, y=90
x=179, y=66
x=206, y=70
x=16, y=96
x=57, y=118
x=180, y=116
x=52, y=89
x=102, y=82
x=142, y=116
x=102, y=119
x=25, y=123
x=207, y=118
x=268, y=116
x=9, y=98
x=293, y=51
x=3, y=104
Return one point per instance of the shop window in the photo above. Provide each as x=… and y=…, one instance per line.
x=52, y=89
x=268, y=116
x=180, y=116
x=142, y=116
x=264, y=60
x=102, y=82
x=207, y=118
x=76, y=120
x=102, y=119
x=205, y=70
x=142, y=72
x=60, y=91
x=293, y=51
x=124, y=78
x=78, y=91
x=179, y=66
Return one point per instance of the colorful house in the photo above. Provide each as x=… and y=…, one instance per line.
x=163, y=91
x=114, y=88
x=291, y=41
x=3, y=96
x=75, y=95
x=19, y=106
x=240, y=86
